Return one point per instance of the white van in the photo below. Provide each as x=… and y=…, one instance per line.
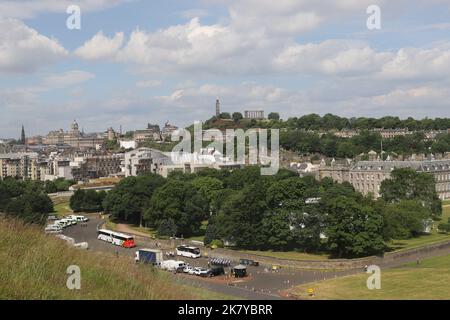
x=60, y=223
x=53, y=229
x=173, y=266
x=78, y=218
x=69, y=221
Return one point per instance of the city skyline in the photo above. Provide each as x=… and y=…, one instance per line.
x=135, y=62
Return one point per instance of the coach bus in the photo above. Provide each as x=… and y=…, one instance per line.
x=189, y=252
x=116, y=238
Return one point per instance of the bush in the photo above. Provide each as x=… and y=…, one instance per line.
x=217, y=243
x=444, y=227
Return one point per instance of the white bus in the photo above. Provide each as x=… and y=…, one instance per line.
x=116, y=238
x=190, y=252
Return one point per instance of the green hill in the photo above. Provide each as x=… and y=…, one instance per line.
x=33, y=266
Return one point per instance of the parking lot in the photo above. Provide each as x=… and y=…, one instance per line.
x=262, y=282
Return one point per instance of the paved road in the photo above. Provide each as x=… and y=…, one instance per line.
x=260, y=285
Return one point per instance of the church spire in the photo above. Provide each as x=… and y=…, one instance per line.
x=22, y=135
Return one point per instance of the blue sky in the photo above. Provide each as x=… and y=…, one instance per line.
x=135, y=61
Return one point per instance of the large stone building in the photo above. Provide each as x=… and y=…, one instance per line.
x=144, y=160
x=74, y=138
x=367, y=176
x=96, y=166
x=19, y=165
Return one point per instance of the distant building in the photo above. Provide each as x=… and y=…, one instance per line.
x=367, y=176
x=143, y=160
x=257, y=115
x=168, y=130
x=74, y=138
x=19, y=165
x=392, y=133
x=92, y=167
x=128, y=144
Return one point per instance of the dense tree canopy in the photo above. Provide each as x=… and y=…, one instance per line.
x=179, y=205
x=130, y=197
x=407, y=184
x=87, y=201
x=25, y=200
x=280, y=212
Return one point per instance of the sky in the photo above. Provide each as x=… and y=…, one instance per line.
x=134, y=62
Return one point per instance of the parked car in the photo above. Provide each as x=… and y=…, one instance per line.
x=188, y=269
x=60, y=223
x=216, y=271
x=202, y=272
x=79, y=218
x=68, y=221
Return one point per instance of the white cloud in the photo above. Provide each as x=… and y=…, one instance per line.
x=23, y=49
x=24, y=9
x=100, y=47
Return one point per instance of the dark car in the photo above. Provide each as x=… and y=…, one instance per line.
x=216, y=271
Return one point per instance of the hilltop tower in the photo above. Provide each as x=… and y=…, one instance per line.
x=217, y=107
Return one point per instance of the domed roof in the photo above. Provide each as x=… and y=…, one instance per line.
x=74, y=125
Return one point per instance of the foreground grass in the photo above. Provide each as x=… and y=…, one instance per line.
x=33, y=266
x=429, y=280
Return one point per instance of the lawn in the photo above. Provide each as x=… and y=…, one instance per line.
x=61, y=207
x=429, y=280
x=291, y=255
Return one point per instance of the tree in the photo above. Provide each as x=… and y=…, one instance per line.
x=208, y=188
x=405, y=219
x=276, y=230
x=291, y=193
x=354, y=228
x=237, y=116
x=407, y=184
x=179, y=201
x=130, y=198
x=225, y=115
x=87, y=201
x=274, y=116
x=30, y=207
x=444, y=227
x=240, y=217
x=167, y=227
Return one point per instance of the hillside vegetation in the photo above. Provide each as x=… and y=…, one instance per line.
x=33, y=266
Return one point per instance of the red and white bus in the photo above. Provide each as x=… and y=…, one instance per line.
x=116, y=238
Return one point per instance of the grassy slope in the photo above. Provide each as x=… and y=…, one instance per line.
x=33, y=266
x=429, y=280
